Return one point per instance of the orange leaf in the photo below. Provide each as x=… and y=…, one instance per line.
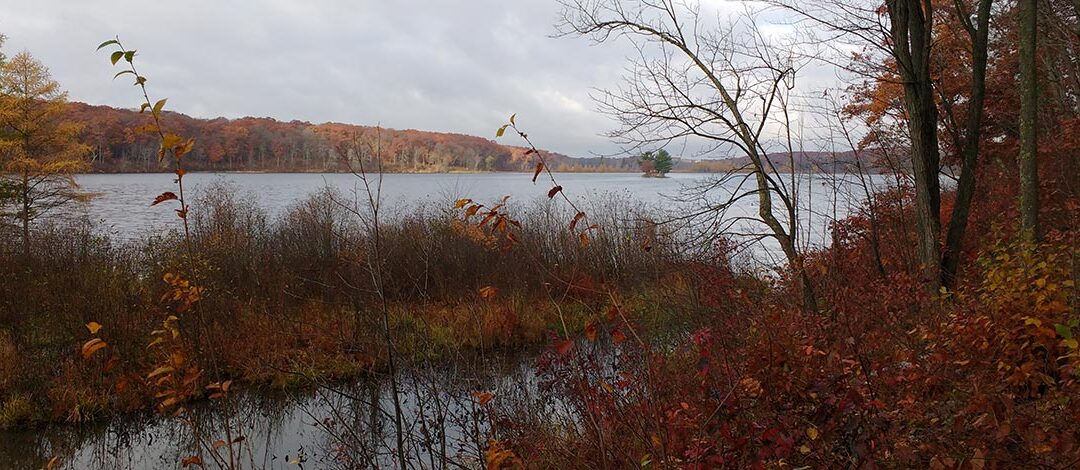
x=617, y=336
x=577, y=218
x=165, y=196
x=482, y=397
x=472, y=210
x=193, y=460
x=590, y=330
x=487, y=292
x=182, y=149
x=539, y=168
x=563, y=346
x=554, y=191
x=583, y=238
x=93, y=327
x=612, y=313
x=92, y=346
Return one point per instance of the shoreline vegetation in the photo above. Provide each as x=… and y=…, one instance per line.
x=268, y=145
x=289, y=288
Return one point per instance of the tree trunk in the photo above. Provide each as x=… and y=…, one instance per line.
x=25, y=216
x=965, y=188
x=1029, y=94
x=911, y=29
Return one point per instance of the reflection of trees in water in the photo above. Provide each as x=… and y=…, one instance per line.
x=331, y=425
x=445, y=425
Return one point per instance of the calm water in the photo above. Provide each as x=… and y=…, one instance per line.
x=280, y=426
x=122, y=206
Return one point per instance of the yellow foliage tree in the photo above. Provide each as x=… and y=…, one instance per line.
x=39, y=149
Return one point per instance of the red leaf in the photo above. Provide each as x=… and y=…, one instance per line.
x=165, y=196
x=554, y=191
x=563, y=346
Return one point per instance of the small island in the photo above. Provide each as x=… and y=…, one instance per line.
x=655, y=164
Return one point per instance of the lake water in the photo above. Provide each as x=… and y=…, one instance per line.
x=122, y=205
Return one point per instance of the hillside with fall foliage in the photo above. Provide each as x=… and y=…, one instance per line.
x=265, y=144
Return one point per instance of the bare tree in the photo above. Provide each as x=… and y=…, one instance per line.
x=723, y=83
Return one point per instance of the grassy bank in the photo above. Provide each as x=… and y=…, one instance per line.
x=295, y=296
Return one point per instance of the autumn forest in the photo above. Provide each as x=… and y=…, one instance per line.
x=794, y=235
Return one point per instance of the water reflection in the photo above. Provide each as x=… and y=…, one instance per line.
x=339, y=425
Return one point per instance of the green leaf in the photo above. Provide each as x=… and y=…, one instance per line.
x=121, y=73
x=501, y=131
x=157, y=106
x=106, y=43
x=1064, y=331
x=129, y=55
x=116, y=56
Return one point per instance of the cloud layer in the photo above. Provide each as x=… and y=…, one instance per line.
x=452, y=66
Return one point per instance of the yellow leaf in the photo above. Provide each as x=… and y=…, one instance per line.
x=92, y=346
x=93, y=327
x=812, y=433
x=805, y=449
x=159, y=371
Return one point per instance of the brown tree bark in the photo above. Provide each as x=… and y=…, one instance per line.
x=965, y=188
x=911, y=23
x=1029, y=95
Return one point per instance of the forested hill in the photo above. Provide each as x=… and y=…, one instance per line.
x=265, y=144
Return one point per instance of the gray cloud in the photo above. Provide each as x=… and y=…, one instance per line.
x=452, y=66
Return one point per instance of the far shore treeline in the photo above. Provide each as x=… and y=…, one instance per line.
x=266, y=144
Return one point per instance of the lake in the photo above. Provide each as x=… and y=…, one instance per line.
x=122, y=202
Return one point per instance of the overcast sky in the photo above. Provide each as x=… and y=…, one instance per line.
x=448, y=65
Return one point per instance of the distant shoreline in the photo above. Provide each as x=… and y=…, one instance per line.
x=452, y=172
